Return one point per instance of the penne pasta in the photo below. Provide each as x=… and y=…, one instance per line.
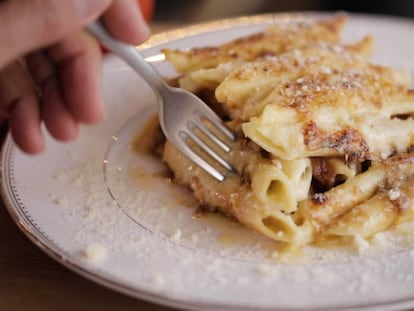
x=374, y=215
x=235, y=197
x=325, y=138
x=210, y=78
x=330, y=172
x=322, y=208
x=299, y=172
x=387, y=208
x=362, y=195
x=274, y=40
x=274, y=188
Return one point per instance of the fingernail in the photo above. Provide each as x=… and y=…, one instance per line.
x=91, y=9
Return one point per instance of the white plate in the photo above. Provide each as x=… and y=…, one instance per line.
x=98, y=192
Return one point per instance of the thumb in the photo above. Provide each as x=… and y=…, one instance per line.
x=27, y=25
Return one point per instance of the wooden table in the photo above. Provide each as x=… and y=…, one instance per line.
x=30, y=280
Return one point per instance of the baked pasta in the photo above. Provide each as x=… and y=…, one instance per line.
x=325, y=137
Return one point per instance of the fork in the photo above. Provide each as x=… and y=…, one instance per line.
x=182, y=115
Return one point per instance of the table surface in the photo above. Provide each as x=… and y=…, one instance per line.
x=30, y=280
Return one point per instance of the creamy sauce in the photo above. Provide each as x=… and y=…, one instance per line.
x=226, y=233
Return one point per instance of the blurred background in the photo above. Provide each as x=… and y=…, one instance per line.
x=195, y=11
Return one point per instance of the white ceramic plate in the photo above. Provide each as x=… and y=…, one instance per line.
x=98, y=194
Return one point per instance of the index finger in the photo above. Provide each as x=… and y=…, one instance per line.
x=27, y=25
x=125, y=21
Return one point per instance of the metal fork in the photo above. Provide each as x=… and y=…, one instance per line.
x=182, y=115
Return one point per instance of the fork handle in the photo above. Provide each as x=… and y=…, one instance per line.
x=130, y=55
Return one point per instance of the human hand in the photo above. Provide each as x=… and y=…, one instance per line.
x=50, y=68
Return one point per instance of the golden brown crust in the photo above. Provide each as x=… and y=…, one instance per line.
x=323, y=172
x=348, y=141
x=318, y=76
x=275, y=40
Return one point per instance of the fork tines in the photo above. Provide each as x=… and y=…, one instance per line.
x=203, y=141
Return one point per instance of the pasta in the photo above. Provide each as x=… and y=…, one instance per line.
x=275, y=40
x=273, y=187
x=299, y=172
x=328, y=171
x=320, y=151
x=234, y=196
x=389, y=206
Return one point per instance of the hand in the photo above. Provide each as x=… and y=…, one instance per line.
x=50, y=68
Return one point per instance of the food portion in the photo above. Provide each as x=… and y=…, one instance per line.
x=325, y=138
x=321, y=102
x=206, y=67
x=275, y=40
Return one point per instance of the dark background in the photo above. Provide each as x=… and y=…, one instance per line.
x=193, y=11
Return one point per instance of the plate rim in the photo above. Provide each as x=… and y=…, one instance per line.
x=46, y=244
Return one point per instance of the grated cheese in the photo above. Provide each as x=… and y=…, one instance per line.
x=95, y=253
